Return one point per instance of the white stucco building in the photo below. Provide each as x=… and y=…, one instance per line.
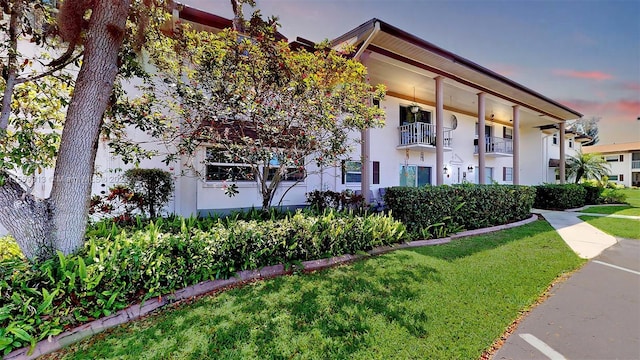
x=448, y=121
x=623, y=159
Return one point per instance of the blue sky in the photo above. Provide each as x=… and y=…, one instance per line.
x=585, y=54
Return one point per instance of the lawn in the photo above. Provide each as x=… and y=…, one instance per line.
x=633, y=209
x=618, y=210
x=440, y=302
x=633, y=196
x=625, y=228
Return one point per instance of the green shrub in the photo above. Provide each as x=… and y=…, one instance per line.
x=612, y=196
x=592, y=195
x=346, y=200
x=560, y=196
x=421, y=208
x=9, y=249
x=154, y=185
x=119, y=266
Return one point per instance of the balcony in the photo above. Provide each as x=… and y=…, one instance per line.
x=422, y=136
x=635, y=164
x=495, y=147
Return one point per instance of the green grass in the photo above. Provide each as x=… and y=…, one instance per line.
x=626, y=228
x=633, y=209
x=439, y=302
x=618, y=210
x=633, y=196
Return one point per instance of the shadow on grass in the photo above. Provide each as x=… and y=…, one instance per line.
x=468, y=246
x=328, y=314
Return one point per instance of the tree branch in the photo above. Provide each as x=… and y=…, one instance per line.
x=50, y=71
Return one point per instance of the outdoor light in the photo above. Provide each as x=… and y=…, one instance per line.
x=470, y=168
x=414, y=108
x=446, y=169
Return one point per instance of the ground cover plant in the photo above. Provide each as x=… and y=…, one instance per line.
x=118, y=267
x=441, y=302
x=625, y=228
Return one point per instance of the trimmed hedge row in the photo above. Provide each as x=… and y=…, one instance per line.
x=561, y=196
x=484, y=205
x=41, y=299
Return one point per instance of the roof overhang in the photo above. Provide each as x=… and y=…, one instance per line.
x=395, y=46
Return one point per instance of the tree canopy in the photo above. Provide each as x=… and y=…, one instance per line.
x=254, y=100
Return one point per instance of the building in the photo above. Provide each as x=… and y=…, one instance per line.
x=624, y=160
x=448, y=121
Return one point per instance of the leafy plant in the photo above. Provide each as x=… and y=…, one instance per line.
x=560, y=196
x=153, y=187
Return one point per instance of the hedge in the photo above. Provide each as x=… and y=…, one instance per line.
x=483, y=205
x=560, y=196
x=118, y=267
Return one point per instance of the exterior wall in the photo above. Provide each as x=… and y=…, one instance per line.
x=620, y=168
x=552, y=151
x=384, y=142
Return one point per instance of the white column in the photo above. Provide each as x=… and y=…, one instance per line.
x=516, y=145
x=562, y=154
x=365, y=151
x=439, y=131
x=481, y=139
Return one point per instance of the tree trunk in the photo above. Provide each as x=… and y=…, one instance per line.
x=12, y=63
x=26, y=218
x=71, y=190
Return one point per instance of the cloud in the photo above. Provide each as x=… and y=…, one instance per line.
x=622, y=108
x=589, y=75
x=633, y=86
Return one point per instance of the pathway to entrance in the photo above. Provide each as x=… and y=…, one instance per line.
x=595, y=314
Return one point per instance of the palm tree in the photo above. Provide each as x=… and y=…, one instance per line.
x=586, y=166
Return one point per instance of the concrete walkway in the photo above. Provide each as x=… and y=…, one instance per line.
x=584, y=239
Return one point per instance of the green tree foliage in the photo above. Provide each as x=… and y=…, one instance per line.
x=586, y=166
x=261, y=103
x=155, y=187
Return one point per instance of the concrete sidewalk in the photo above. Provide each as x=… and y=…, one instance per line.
x=584, y=239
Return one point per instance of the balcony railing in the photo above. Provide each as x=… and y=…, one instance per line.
x=635, y=164
x=419, y=133
x=495, y=145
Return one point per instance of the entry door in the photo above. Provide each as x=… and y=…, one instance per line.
x=424, y=175
x=412, y=175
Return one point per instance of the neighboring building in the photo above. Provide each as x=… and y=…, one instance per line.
x=624, y=160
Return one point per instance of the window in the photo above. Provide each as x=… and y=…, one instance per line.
x=613, y=158
x=507, y=174
x=220, y=167
x=613, y=177
x=488, y=175
x=351, y=172
x=407, y=117
x=487, y=130
x=555, y=139
x=621, y=177
x=412, y=175
x=621, y=158
x=571, y=143
x=507, y=132
x=376, y=172
x=292, y=172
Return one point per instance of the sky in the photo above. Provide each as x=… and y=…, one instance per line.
x=583, y=53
